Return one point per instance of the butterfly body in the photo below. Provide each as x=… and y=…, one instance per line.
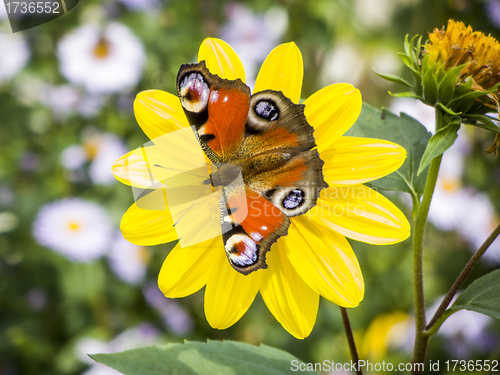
x=265, y=138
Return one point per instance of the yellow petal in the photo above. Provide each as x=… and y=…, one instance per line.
x=186, y=270
x=362, y=214
x=292, y=302
x=229, y=294
x=353, y=160
x=145, y=226
x=136, y=169
x=283, y=71
x=196, y=213
x=159, y=112
x=175, y=159
x=325, y=261
x=331, y=111
x=221, y=59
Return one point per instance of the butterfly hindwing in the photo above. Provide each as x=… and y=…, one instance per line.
x=247, y=238
x=294, y=186
x=278, y=154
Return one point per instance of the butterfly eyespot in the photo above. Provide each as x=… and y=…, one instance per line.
x=294, y=199
x=241, y=249
x=267, y=109
x=194, y=92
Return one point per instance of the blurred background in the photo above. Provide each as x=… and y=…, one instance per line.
x=71, y=285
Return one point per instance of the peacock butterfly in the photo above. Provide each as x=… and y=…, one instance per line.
x=267, y=139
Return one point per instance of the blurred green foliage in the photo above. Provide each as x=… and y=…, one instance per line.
x=88, y=300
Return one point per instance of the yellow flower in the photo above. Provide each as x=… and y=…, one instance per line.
x=314, y=258
x=457, y=70
x=479, y=56
x=385, y=331
x=458, y=45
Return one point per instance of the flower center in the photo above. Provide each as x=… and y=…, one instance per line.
x=91, y=145
x=144, y=255
x=450, y=185
x=102, y=49
x=74, y=226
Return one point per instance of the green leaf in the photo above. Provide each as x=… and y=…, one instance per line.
x=446, y=87
x=418, y=48
x=439, y=74
x=482, y=296
x=406, y=60
x=463, y=88
x=464, y=102
x=429, y=84
x=393, y=78
x=412, y=49
x=439, y=143
x=403, y=130
x=407, y=94
x=484, y=122
x=447, y=110
x=407, y=44
x=193, y=358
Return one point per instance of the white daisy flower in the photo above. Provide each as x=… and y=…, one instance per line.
x=65, y=100
x=128, y=261
x=62, y=100
x=109, y=148
x=102, y=149
x=102, y=61
x=14, y=54
x=78, y=229
x=74, y=157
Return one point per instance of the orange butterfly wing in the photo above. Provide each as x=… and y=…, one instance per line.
x=268, y=139
x=247, y=237
x=218, y=108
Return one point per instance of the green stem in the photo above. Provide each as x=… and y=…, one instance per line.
x=419, y=223
x=437, y=324
x=350, y=339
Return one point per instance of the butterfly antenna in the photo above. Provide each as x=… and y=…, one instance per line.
x=198, y=197
x=178, y=170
